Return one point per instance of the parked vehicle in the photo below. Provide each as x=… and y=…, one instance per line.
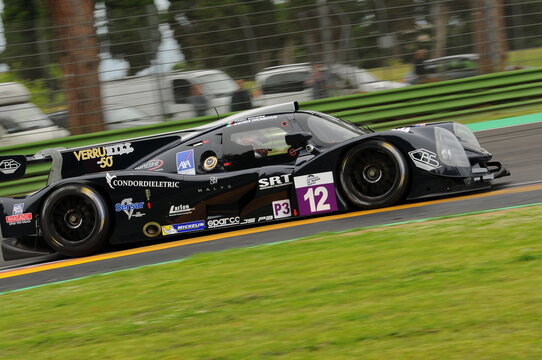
x=115, y=117
x=282, y=83
x=447, y=68
x=258, y=166
x=169, y=94
x=20, y=120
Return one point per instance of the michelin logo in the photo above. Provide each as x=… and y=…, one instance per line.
x=184, y=227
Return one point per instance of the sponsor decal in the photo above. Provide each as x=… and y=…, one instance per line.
x=424, y=159
x=185, y=162
x=184, y=227
x=248, y=221
x=403, y=129
x=274, y=181
x=214, y=188
x=9, y=166
x=315, y=193
x=216, y=223
x=18, y=209
x=210, y=163
x=152, y=165
x=265, y=218
x=18, y=216
x=148, y=196
x=113, y=182
x=252, y=119
x=180, y=210
x=128, y=206
x=281, y=209
x=213, y=180
x=104, y=153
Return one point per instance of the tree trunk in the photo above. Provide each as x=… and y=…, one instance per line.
x=489, y=37
x=76, y=39
x=441, y=16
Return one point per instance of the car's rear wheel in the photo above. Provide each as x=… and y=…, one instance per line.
x=374, y=174
x=75, y=221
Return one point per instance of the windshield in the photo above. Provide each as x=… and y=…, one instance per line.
x=26, y=117
x=328, y=130
x=285, y=82
x=217, y=84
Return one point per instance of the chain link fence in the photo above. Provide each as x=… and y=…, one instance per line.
x=177, y=59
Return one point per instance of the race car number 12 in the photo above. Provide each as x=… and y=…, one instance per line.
x=315, y=193
x=311, y=196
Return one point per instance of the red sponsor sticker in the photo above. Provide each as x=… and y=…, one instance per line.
x=18, y=218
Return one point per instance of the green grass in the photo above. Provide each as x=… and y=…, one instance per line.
x=525, y=57
x=462, y=288
x=397, y=70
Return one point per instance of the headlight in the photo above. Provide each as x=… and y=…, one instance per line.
x=449, y=149
x=466, y=135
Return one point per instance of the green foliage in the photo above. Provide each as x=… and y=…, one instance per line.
x=41, y=93
x=133, y=33
x=444, y=289
x=523, y=23
x=28, y=49
x=237, y=36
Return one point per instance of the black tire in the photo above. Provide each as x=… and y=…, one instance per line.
x=75, y=220
x=374, y=174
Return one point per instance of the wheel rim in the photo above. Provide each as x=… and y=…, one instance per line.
x=74, y=218
x=374, y=173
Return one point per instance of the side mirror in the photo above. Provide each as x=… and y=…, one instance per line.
x=298, y=138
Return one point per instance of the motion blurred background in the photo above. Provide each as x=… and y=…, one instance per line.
x=75, y=67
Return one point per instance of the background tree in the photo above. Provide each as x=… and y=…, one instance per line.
x=132, y=32
x=522, y=23
x=237, y=36
x=28, y=49
x=76, y=38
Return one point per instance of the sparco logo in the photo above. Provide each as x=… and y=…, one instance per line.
x=113, y=182
x=274, y=181
x=223, y=222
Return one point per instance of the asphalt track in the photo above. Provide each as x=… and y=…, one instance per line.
x=518, y=147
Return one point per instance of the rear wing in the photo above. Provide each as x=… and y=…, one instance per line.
x=12, y=167
x=72, y=162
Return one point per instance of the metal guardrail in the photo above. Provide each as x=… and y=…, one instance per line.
x=384, y=109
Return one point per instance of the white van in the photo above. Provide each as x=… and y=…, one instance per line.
x=20, y=120
x=169, y=94
x=285, y=83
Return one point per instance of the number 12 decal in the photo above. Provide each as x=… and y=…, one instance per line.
x=315, y=193
x=312, y=194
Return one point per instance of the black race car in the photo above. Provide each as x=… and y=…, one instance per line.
x=258, y=166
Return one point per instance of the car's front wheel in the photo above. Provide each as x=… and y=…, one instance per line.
x=75, y=220
x=374, y=174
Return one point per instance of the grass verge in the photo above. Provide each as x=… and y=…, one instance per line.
x=462, y=288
